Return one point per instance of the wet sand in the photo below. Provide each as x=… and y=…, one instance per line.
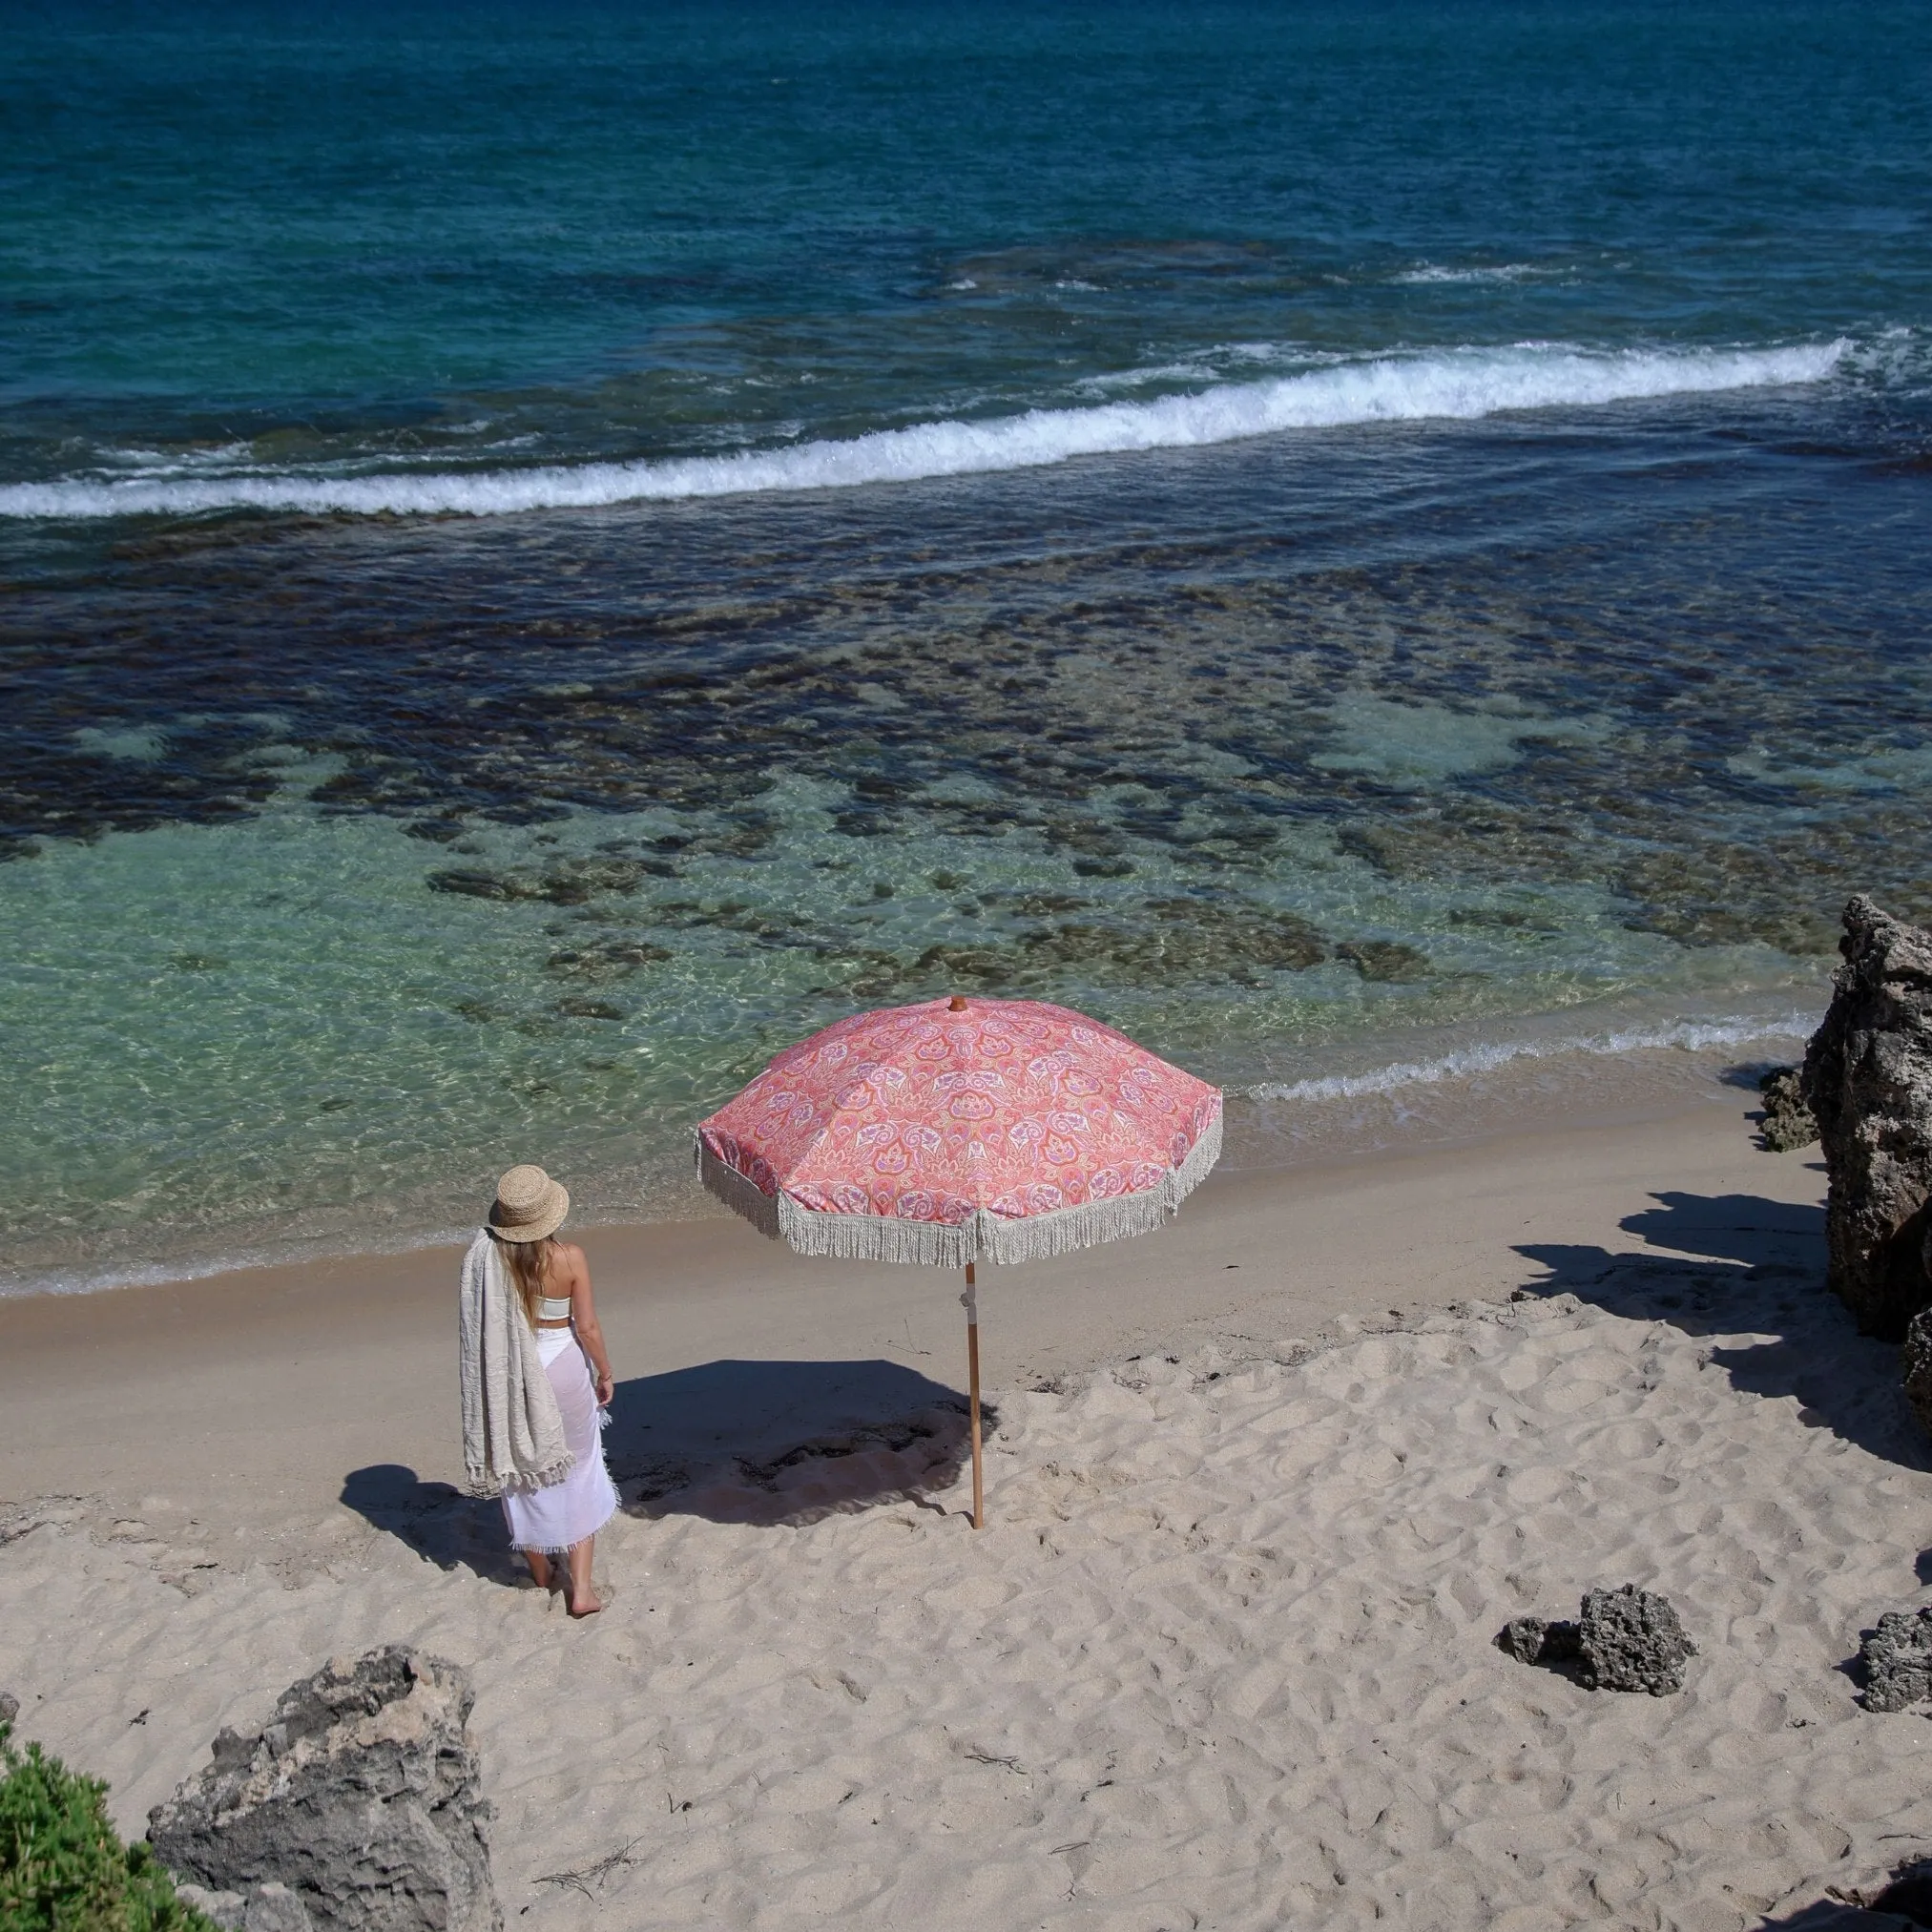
x=256, y=1392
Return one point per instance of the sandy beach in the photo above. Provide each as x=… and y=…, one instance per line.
x=1262, y=1490
x=574, y=578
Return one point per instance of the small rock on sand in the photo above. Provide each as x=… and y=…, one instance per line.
x=1538, y=1640
x=1788, y=1122
x=1626, y=1639
x=1896, y=1660
x=1631, y=1640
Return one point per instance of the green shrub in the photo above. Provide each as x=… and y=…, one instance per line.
x=62, y=1869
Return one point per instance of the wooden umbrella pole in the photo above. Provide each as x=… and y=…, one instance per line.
x=970, y=1301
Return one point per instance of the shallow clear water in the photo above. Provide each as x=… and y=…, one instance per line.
x=543, y=558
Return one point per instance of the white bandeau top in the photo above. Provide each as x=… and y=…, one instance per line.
x=553, y=1308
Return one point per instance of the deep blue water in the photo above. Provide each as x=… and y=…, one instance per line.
x=542, y=553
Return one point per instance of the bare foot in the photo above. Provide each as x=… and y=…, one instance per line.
x=583, y=1600
x=541, y=1572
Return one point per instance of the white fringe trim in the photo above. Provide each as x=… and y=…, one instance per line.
x=487, y=1487
x=982, y=1237
x=559, y=1553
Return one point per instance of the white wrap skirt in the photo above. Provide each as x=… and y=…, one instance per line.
x=551, y=1520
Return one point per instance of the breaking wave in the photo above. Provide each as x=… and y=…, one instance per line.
x=1452, y=383
x=1469, y=1062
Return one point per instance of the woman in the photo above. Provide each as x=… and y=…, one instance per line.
x=531, y=1347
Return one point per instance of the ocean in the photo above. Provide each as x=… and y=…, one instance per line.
x=543, y=553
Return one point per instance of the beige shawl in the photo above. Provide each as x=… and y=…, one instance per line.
x=512, y=1430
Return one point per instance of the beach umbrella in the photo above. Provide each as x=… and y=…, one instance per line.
x=962, y=1131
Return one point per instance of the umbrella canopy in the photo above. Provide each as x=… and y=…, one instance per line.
x=957, y=1132
x=962, y=1131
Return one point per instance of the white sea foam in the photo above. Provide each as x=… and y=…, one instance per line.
x=1429, y=273
x=1450, y=383
x=1470, y=1062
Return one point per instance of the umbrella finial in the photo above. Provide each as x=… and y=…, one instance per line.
x=957, y=1004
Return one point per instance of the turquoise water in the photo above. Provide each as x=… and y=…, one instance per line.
x=542, y=557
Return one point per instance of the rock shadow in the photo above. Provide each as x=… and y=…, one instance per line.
x=437, y=1520
x=1765, y=1235
x=1904, y=1900
x=1712, y=1264
x=1831, y=1915
x=773, y=1443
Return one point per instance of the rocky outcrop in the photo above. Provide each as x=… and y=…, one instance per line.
x=1917, y=1361
x=361, y=1795
x=1625, y=1639
x=1896, y=1660
x=1868, y=1081
x=1788, y=1123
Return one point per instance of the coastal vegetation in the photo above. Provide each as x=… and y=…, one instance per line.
x=63, y=1868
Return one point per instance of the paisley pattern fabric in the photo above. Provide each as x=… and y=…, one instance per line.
x=1011, y=1108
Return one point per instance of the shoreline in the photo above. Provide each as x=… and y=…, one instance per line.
x=1422, y=1088
x=291, y=1377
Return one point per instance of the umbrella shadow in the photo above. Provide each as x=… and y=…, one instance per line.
x=1714, y=1264
x=437, y=1520
x=769, y=1443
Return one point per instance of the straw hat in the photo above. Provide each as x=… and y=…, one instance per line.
x=530, y=1206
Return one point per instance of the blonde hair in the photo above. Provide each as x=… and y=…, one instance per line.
x=528, y=1263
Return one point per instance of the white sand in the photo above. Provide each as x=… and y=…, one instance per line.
x=1223, y=1659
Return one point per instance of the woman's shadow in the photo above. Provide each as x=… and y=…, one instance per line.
x=437, y=1520
x=733, y=1442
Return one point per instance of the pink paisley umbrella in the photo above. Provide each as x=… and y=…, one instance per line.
x=962, y=1131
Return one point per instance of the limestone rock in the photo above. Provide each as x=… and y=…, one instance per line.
x=1896, y=1660
x=274, y=1908
x=1625, y=1640
x=226, y=1908
x=261, y=1908
x=1535, y=1640
x=1917, y=1361
x=1787, y=1120
x=361, y=1795
x=10, y=1707
x=1868, y=1081
x=1629, y=1640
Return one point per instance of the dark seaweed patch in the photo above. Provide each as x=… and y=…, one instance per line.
x=575, y=881
x=1385, y=960
x=1203, y=944
x=473, y=885
x=589, y=1009
x=1105, y=700
x=604, y=960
